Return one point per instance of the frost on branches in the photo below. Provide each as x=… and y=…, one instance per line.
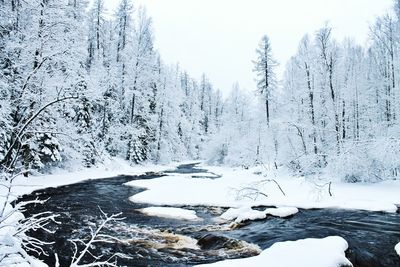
x=14, y=241
x=128, y=102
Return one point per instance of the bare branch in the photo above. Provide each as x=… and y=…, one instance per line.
x=97, y=237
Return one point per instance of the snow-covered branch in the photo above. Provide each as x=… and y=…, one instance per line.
x=14, y=240
x=97, y=237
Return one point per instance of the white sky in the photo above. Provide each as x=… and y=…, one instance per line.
x=219, y=37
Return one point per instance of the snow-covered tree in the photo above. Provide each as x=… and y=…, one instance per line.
x=264, y=67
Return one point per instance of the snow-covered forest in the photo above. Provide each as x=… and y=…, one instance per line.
x=116, y=95
x=336, y=109
x=79, y=87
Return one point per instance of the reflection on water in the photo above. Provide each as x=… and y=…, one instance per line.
x=153, y=241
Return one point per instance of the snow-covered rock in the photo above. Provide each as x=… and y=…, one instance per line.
x=173, y=213
x=282, y=212
x=250, y=215
x=243, y=214
x=247, y=213
x=326, y=252
x=397, y=248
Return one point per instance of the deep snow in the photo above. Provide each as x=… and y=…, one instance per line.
x=232, y=190
x=326, y=252
x=247, y=213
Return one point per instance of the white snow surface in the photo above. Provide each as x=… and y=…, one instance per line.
x=242, y=214
x=173, y=213
x=326, y=252
x=247, y=213
x=180, y=190
x=397, y=248
x=282, y=212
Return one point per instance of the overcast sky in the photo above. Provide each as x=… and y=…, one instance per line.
x=219, y=37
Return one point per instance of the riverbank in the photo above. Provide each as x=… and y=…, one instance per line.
x=223, y=187
x=253, y=187
x=110, y=168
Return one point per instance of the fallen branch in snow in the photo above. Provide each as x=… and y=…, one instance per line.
x=249, y=192
x=97, y=237
x=277, y=184
x=321, y=187
x=271, y=180
x=254, y=190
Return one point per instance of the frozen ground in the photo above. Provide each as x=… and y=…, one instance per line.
x=237, y=188
x=326, y=252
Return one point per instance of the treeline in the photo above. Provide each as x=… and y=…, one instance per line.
x=106, y=89
x=77, y=86
x=336, y=113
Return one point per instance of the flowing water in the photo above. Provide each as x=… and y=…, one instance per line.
x=153, y=241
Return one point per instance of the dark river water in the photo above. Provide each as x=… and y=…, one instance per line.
x=153, y=241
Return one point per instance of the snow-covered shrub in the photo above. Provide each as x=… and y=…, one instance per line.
x=5, y=130
x=216, y=151
x=307, y=164
x=138, y=141
x=385, y=155
x=83, y=115
x=138, y=150
x=14, y=241
x=41, y=149
x=367, y=161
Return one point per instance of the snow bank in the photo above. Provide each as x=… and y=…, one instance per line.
x=173, y=213
x=232, y=213
x=282, y=212
x=176, y=190
x=243, y=214
x=180, y=190
x=397, y=248
x=326, y=252
x=114, y=167
x=247, y=213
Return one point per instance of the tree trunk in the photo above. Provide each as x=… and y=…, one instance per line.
x=333, y=96
x=311, y=98
x=133, y=107
x=267, y=110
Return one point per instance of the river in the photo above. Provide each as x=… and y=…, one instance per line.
x=153, y=241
